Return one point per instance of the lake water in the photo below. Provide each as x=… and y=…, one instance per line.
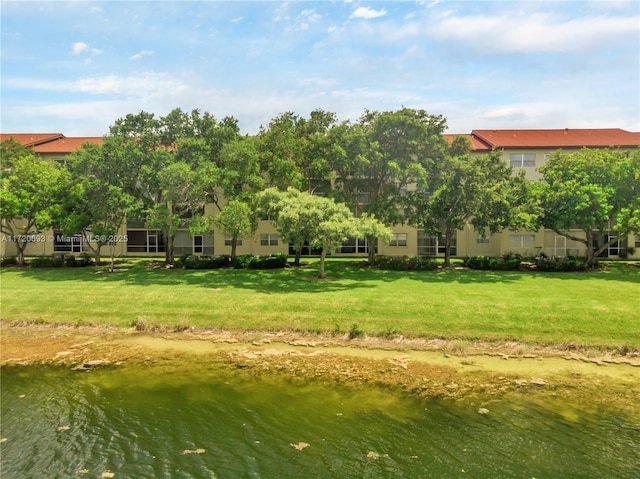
x=209, y=422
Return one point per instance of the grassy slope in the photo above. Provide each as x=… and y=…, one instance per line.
x=600, y=308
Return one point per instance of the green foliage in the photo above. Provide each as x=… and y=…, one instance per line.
x=8, y=261
x=569, y=264
x=47, y=262
x=591, y=190
x=405, y=263
x=355, y=331
x=491, y=263
x=31, y=193
x=274, y=261
x=205, y=262
x=72, y=262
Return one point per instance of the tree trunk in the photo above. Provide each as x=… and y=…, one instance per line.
x=321, y=268
x=20, y=254
x=96, y=254
x=372, y=242
x=112, y=247
x=234, y=243
x=168, y=257
x=296, y=261
x=447, y=249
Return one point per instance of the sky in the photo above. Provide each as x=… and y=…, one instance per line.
x=76, y=67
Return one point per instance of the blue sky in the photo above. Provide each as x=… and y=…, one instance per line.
x=75, y=67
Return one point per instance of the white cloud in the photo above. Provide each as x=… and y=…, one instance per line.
x=140, y=85
x=539, y=32
x=78, y=48
x=368, y=13
x=141, y=54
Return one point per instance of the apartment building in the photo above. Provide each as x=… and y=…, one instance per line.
x=523, y=149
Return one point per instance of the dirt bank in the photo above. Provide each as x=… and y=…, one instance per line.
x=430, y=369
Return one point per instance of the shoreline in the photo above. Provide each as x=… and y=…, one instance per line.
x=430, y=369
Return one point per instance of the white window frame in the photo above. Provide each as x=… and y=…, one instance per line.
x=398, y=239
x=518, y=241
x=229, y=239
x=268, y=239
x=522, y=160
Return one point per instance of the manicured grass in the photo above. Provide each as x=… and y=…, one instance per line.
x=590, y=309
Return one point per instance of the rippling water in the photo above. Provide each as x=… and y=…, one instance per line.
x=211, y=423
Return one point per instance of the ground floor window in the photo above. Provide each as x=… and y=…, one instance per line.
x=67, y=244
x=354, y=246
x=306, y=250
x=637, y=241
x=398, y=239
x=145, y=241
x=522, y=241
x=618, y=247
x=269, y=239
x=183, y=244
x=228, y=240
x=435, y=245
x=482, y=238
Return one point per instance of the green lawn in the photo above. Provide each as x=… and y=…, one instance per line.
x=591, y=309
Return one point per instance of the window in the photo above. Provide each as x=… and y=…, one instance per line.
x=269, y=239
x=482, y=238
x=434, y=245
x=198, y=246
x=147, y=241
x=522, y=241
x=67, y=244
x=522, y=160
x=637, y=241
x=228, y=239
x=398, y=239
x=363, y=197
x=354, y=245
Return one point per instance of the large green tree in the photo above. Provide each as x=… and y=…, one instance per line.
x=593, y=190
x=32, y=191
x=380, y=156
x=301, y=217
x=236, y=220
x=480, y=191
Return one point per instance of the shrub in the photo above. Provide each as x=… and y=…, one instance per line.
x=355, y=331
x=562, y=264
x=405, y=263
x=248, y=261
x=205, y=262
x=274, y=261
x=9, y=261
x=506, y=263
x=47, y=262
x=72, y=262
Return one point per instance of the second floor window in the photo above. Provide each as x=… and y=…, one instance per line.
x=522, y=160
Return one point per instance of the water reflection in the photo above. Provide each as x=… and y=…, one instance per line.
x=213, y=423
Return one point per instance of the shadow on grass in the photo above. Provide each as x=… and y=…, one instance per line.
x=341, y=276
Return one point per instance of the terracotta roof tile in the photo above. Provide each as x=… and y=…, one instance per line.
x=567, y=138
x=66, y=144
x=31, y=139
x=476, y=143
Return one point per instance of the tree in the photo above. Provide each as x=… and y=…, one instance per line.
x=173, y=165
x=236, y=220
x=470, y=190
x=302, y=217
x=96, y=210
x=31, y=192
x=377, y=158
x=292, y=213
x=591, y=190
x=369, y=227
